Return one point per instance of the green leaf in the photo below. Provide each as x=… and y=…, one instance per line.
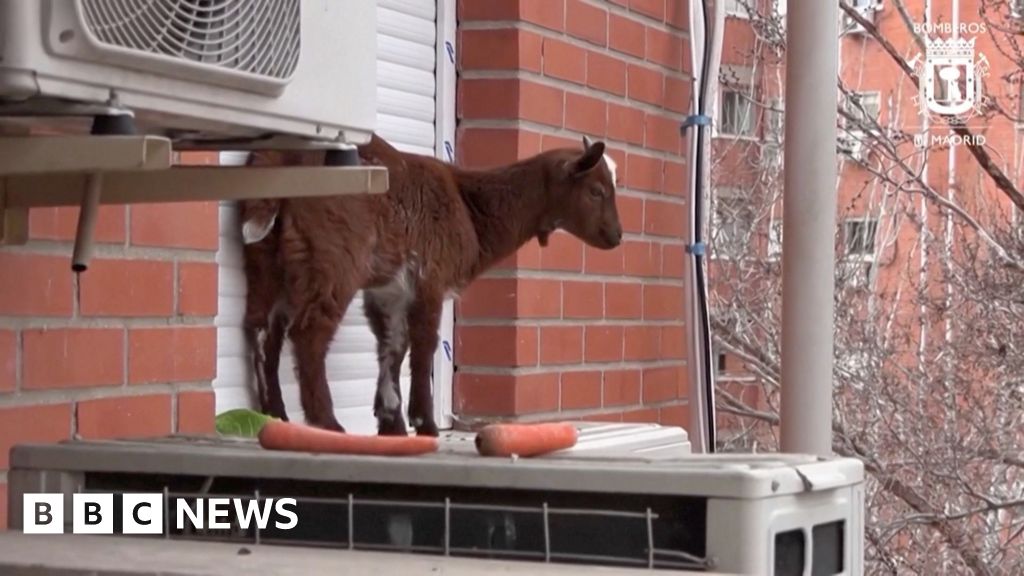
x=241, y=422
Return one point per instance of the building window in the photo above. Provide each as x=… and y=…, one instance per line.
x=775, y=240
x=731, y=221
x=773, y=120
x=864, y=109
x=736, y=114
x=859, y=237
x=738, y=8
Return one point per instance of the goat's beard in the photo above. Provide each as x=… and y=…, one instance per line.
x=542, y=237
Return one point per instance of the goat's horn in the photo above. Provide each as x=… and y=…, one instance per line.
x=587, y=142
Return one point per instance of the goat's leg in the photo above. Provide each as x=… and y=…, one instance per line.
x=388, y=323
x=272, y=345
x=424, y=321
x=311, y=339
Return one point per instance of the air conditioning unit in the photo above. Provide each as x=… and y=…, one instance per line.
x=195, y=69
x=867, y=9
x=628, y=497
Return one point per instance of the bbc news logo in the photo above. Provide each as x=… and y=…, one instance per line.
x=146, y=513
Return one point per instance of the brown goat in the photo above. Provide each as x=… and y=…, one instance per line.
x=436, y=229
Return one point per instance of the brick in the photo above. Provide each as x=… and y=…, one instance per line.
x=586, y=21
x=546, y=13
x=623, y=300
x=664, y=218
x=652, y=8
x=35, y=285
x=663, y=302
x=197, y=289
x=662, y=133
x=645, y=173
x=645, y=85
x=564, y=252
x=621, y=387
x=504, y=394
x=585, y=114
x=125, y=417
x=673, y=258
x=626, y=124
x=561, y=344
x=128, y=288
x=581, y=390
x=8, y=360
x=199, y=158
x=196, y=412
x=489, y=298
x=488, y=98
x=500, y=49
x=582, y=300
x=642, y=259
x=565, y=61
x=673, y=342
x=603, y=344
x=537, y=393
x=597, y=261
x=193, y=225
x=539, y=298
x=661, y=384
x=606, y=73
x=676, y=178
x=642, y=416
x=611, y=417
x=631, y=213
x=627, y=35
x=496, y=345
x=643, y=343
x=677, y=94
x=61, y=223
x=664, y=49
x=676, y=14
x=46, y=423
x=72, y=358
x=488, y=9
x=678, y=416
x=482, y=148
x=541, y=103
x=179, y=354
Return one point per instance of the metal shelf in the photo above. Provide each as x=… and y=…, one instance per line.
x=87, y=171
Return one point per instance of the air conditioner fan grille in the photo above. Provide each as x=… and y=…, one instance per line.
x=260, y=37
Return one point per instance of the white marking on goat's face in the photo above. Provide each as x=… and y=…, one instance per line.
x=253, y=231
x=610, y=163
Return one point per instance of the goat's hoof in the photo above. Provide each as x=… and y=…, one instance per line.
x=331, y=425
x=427, y=429
x=391, y=425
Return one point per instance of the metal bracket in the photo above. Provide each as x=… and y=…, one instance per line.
x=87, y=171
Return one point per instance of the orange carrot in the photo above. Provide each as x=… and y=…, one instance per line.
x=525, y=439
x=292, y=436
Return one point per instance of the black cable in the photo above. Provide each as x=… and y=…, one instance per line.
x=698, y=255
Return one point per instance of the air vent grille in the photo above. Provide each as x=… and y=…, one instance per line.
x=259, y=37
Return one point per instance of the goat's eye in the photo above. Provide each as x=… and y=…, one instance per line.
x=596, y=191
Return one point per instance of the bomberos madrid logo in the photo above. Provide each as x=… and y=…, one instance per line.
x=951, y=73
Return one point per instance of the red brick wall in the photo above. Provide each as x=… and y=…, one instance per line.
x=568, y=331
x=134, y=353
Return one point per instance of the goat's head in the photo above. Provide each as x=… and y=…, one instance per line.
x=583, y=190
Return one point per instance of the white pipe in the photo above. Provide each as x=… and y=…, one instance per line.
x=701, y=365
x=809, y=224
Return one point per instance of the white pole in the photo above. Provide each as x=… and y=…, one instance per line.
x=809, y=223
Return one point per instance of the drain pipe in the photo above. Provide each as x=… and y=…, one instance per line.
x=809, y=224
x=706, y=47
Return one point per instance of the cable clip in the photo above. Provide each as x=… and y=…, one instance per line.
x=697, y=249
x=695, y=120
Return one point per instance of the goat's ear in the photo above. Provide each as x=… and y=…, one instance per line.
x=591, y=157
x=587, y=142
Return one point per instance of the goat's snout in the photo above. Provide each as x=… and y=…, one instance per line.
x=613, y=235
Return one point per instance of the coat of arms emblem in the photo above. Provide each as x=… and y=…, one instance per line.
x=950, y=79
